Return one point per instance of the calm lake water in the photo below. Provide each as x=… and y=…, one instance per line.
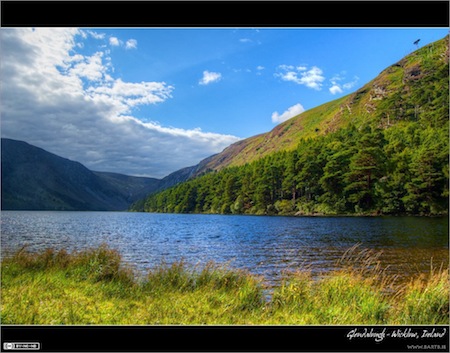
x=262, y=245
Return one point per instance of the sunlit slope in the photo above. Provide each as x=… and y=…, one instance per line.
x=416, y=86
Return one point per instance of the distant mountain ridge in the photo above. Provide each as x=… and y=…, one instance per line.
x=34, y=179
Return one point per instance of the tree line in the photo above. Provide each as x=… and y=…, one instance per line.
x=364, y=170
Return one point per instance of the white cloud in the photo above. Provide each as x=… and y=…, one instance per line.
x=351, y=84
x=338, y=87
x=131, y=44
x=114, y=41
x=300, y=75
x=96, y=35
x=71, y=104
x=126, y=95
x=286, y=67
x=245, y=40
x=259, y=70
x=289, y=113
x=90, y=67
x=335, y=89
x=210, y=77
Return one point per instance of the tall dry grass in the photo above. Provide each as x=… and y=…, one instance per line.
x=94, y=287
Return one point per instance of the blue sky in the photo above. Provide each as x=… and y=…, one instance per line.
x=151, y=101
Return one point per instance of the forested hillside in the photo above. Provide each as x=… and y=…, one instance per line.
x=382, y=149
x=416, y=85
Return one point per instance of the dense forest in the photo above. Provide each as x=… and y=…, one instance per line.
x=403, y=169
x=391, y=161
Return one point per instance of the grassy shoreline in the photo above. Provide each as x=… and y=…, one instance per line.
x=94, y=287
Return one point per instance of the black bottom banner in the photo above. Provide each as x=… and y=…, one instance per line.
x=225, y=338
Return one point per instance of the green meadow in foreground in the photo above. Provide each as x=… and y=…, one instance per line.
x=94, y=287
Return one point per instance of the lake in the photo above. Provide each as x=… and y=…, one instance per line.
x=262, y=245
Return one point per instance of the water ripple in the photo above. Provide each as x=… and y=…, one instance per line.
x=263, y=245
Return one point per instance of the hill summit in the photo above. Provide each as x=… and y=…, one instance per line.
x=413, y=88
x=382, y=149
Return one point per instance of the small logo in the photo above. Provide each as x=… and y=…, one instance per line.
x=8, y=346
x=21, y=346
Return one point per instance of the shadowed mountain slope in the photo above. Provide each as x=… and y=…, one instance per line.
x=34, y=179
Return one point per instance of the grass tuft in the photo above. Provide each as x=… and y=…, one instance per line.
x=426, y=299
x=94, y=287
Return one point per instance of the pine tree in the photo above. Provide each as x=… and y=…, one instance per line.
x=366, y=167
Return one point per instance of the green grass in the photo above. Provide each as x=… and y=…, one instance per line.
x=94, y=287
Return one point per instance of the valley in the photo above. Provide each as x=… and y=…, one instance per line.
x=380, y=150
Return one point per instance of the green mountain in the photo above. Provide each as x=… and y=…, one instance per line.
x=414, y=87
x=34, y=179
x=381, y=149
